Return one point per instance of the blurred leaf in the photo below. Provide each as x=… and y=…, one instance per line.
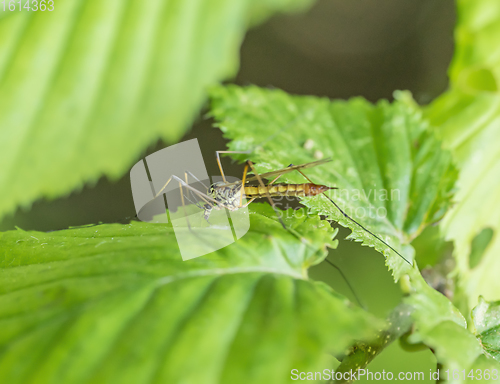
x=426, y=300
x=478, y=246
x=116, y=304
x=260, y=9
x=84, y=89
x=399, y=322
x=486, y=317
x=485, y=370
x=468, y=117
x=441, y=326
x=476, y=63
x=392, y=174
x=430, y=247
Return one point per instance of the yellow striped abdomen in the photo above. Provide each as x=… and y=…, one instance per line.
x=300, y=190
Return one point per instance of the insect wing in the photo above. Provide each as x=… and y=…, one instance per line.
x=270, y=175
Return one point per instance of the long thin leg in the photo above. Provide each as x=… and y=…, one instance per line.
x=199, y=194
x=187, y=186
x=355, y=222
x=195, y=202
x=242, y=192
x=198, y=180
x=182, y=194
x=244, y=174
x=219, y=163
x=273, y=180
x=347, y=282
x=183, y=184
x=163, y=188
x=184, y=207
x=276, y=178
x=248, y=202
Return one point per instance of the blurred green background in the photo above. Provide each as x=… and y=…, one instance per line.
x=337, y=49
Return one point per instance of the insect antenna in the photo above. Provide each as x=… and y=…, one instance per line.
x=355, y=222
x=368, y=231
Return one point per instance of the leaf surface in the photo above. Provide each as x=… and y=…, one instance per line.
x=486, y=317
x=441, y=326
x=116, y=304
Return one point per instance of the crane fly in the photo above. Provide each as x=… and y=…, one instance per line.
x=225, y=195
x=230, y=195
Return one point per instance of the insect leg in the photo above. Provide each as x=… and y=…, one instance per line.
x=198, y=180
x=248, y=202
x=203, y=196
x=355, y=222
x=347, y=282
x=219, y=163
x=273, y=180
x=200, y=195
x=291, y=230
x=196, y=202
x=276, y=178
x=242, y=192
x=187, y=186
x=165, y=186
x=182, y=194
x=184, y=206
x=244, y=174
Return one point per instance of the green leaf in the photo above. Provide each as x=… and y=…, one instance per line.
x=486, y=317
x=116, y=304
x=391, y=173
x=441, y=326
x=399, y=322
x=476, y=63
x=468, y=117
x=97, y=81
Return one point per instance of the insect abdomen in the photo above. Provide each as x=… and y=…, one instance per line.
x=301, y=190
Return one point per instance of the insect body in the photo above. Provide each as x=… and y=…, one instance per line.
x=230, y=195
x=224, y=195
x=299, y=190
